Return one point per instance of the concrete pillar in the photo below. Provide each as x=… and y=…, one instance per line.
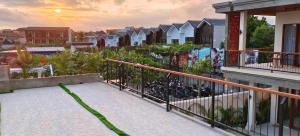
x=226, y=32
x=4, y=72
x=243, y=36
x=251, y=109
x=274, y=106
x=70, y=35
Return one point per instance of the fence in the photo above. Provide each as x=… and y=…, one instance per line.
x=239, y=108
x=266, y=60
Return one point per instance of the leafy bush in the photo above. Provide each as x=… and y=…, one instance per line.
x=200, y=67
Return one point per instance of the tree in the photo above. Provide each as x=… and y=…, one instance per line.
x=24, y=60
x=80, y=37
x=263, y=36
x=261, y=24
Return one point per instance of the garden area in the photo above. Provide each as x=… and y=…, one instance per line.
x=67, y=63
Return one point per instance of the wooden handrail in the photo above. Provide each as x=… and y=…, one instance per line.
x=218, y=81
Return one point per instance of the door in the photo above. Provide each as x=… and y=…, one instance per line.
x=297, y=49
x=291, y=45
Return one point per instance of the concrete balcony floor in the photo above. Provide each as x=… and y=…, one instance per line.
x=51, y=112
x=271, y=66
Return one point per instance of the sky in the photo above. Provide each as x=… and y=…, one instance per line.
x=94, y=15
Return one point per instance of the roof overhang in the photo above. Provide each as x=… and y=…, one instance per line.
x=245, y=5
x=203, y=22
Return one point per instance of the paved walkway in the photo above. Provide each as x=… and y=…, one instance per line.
x=51, y=112
x=46, y=112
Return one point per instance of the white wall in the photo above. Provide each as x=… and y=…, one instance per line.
x=92, y=39
x=141, y=37
x=112, y=42
x=173, y=33
x=282, y=18
x=134, y=39
x=186, y=31
x=219, y=36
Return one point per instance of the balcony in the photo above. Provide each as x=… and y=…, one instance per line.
x=51, y=112
x=264, y=60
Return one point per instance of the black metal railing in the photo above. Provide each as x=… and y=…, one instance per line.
x=266, y=60
x=236, y=107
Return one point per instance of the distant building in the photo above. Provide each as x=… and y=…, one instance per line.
x=210, y=32
x=151, y=36
x=7, y=44
x=81, y=46
x=134, y=38
x=111, y=41
x=173, y=34
x=161, y=34
x=48, y=35
x=142, y=36
x=16, y=36
x=188, y=31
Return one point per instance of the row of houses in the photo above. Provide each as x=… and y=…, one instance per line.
x=210, y=32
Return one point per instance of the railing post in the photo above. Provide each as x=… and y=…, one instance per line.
x=120, y=76
x=213, y=104
x=143, y=81
x=282, y=103
x=123, y=76
x=225, y=58
x=239, y=59
x=107, y=71
x=167, y=93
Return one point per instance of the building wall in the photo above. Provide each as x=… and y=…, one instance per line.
x=186, y=31
x=282, y=18
x=111, y=42
x=141, y=38
x=219, y=36
x=48, y=36
x=134, y=39
x=173, y=33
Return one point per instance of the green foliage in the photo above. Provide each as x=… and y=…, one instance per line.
x=200, y=67
x=263, y=36
x=171, y=49
x=263, y=112
x=259, y=34
x=25, y=61
x=233, y=117
x=263, y=58
x=222, y=45
x=67, y=63
x=63, y=63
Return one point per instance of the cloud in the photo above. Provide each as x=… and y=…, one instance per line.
x=119, y=2
x=11, y=15
x=103, y=14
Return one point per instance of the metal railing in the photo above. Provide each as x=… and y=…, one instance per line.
x=266, y=60
x=236, y=107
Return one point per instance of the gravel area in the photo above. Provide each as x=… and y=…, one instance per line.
x=47, y=112
x=138, y=117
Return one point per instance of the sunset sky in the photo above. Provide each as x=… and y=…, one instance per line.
x=102, y=14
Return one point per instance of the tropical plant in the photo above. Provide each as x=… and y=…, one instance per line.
x=200, y=67
x=233, y=117
x=24, y=60
x=63, y=63
x=263, y=111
